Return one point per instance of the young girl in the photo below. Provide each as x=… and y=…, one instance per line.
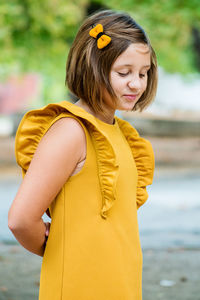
x=89, y=168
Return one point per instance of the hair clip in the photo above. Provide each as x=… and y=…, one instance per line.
x=102, y=39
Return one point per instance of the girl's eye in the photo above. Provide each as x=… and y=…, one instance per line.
x=125, y=74
x=122, y=74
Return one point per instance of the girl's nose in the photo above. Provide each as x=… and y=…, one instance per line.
x=134, y=83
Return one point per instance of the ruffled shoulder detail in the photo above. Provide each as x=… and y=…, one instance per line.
x=31, y=129
x=108, y=169
x=35, y=124
x=144, y=158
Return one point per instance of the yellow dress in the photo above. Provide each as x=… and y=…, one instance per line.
x=93, y=251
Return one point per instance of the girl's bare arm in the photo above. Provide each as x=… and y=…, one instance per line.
x=57, y=154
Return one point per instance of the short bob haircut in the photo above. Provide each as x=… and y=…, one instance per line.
x=88, y=68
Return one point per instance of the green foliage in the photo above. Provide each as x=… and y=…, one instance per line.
x=168, y=23
x=36, y=35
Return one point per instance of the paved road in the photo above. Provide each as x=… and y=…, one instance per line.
x=170, y=217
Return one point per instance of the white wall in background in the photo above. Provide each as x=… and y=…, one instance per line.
x=176, y=93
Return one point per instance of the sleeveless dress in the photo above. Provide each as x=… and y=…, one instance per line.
x=93, y=250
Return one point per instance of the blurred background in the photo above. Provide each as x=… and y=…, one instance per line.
x=35, y=37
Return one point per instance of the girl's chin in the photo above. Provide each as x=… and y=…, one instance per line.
x=126, y=106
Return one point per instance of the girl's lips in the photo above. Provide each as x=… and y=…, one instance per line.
x=131, y=97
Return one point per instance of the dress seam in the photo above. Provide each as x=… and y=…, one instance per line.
x=62, y=276
x=98, y=168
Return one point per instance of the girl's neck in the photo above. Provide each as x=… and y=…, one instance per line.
x=109, y=118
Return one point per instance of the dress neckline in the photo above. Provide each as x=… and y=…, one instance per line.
x=100, y=122
x=106, y=125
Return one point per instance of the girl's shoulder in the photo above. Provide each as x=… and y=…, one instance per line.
x=53, y=118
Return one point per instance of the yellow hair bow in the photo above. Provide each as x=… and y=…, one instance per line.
x=102, y=39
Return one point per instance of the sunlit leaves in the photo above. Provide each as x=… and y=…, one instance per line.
x=35, y=35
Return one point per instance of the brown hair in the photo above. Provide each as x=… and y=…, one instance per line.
x=88, y=68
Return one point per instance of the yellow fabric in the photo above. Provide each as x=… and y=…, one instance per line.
x=104, y=40
x=93, y=250
x=96, y=30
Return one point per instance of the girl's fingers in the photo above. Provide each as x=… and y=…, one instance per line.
x=47, y=228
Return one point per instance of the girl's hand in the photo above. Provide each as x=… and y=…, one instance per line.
x=47, y=224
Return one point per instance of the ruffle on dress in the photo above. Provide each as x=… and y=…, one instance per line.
x=108, y=169
x=144, y=159
x=31, y=129
x=35, y=124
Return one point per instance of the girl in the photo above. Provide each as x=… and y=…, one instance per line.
x=89, y=168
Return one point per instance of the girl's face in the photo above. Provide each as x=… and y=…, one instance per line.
x=128, y=76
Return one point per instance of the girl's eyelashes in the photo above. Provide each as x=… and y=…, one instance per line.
x=122, y=74
x=125, y=74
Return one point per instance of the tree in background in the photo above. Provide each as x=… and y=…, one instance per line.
x=35, y=35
